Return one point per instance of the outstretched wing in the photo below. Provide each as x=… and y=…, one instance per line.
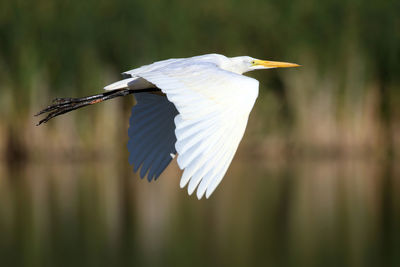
x=213, y=106
x=151, y=134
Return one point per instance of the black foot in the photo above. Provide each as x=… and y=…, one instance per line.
x=67, y=104
x=64, y=105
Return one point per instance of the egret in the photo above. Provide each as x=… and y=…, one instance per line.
x=196, y=108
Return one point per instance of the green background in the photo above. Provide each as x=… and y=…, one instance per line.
x=315, y=181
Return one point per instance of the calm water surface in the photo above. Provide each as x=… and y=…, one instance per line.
x=308, y=213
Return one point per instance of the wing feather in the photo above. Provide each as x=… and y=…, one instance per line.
x=221, y=152
x=150, y=152
x=213, y=106
x=151, y=134
x=161, y=161
x=147, y=143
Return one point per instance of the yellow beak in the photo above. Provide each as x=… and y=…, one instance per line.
x=274, y=64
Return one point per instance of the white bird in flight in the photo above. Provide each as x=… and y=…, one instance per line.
x=194, y=107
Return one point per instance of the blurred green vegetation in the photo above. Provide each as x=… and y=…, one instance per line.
x=347, y=93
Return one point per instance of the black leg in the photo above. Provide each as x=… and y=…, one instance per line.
x=64, y=105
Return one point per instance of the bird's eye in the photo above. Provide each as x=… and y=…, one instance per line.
x=253, y=62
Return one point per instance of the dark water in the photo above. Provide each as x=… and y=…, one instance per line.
x=308, y=213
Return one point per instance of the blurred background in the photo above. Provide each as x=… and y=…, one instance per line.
x=316, y=179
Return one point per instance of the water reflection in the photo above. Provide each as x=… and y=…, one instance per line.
x=308, y=213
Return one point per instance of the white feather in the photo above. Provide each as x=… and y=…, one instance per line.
x=211, y=121
x=120, y=84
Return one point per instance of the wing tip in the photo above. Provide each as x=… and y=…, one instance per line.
x=190, y=189
x=199, y=194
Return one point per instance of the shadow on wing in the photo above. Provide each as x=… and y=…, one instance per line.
x=151, y=133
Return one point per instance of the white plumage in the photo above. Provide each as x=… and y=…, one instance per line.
x=202, y=116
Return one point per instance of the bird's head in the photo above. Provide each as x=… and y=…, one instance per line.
x=245, y=64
